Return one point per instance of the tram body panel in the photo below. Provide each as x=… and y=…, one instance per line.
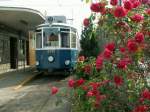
x=62, y=59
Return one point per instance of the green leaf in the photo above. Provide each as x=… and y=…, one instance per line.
x=87, y=1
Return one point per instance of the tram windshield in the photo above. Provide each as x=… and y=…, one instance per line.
x=50, y=37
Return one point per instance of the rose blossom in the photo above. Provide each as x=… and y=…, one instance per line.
x=80, y=81
x=81, y=58
x=99, y=62
x=107, y=53
x=120, y=12
x=144, y=1
x=122, y=64
x=54, y=90
x=128, y=5
x=90, y=93
x=71, y=83
x=118, y=80
x=122, y=49
x=95, y=7
x=95, y=85
x=140, y=108
x=146, y=94
x=110, y=46
x=102, y=9
x=148, y=11
x=98, y=7
x=113, y=2
x=86, y=22
x=132, y=46
x=137, y=18
x=85, y=88
x=139, y=37
x=136, y=4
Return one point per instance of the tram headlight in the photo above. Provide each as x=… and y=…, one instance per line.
x=37, y=63
x=67, y=62
x=50, y=58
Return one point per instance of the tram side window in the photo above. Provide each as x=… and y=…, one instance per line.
x=38, y=40
x=73, y=40
x=65, y=39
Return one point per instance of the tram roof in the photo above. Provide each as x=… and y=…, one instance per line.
x=57, y=25
x=20, y=19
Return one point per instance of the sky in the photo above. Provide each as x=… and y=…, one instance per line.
x=75, y=9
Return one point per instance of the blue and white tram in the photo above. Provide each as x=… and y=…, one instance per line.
x=56, y=47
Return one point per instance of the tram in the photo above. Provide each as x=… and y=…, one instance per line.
x=56, y=47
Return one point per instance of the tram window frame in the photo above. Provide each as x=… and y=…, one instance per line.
x=63, y=30
x=73, y=43
x=39, y=43
x=53, y=35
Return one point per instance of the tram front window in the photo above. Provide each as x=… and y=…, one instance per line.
x=50, y=37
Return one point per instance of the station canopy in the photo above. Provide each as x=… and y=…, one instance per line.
x=20, y=19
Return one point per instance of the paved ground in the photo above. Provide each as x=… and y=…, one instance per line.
x=33, y=97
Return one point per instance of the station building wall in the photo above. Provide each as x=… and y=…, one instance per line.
x=14, y=49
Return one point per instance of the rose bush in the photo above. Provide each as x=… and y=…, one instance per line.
x=116, y=80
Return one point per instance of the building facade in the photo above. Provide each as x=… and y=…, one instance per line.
x=17, y=37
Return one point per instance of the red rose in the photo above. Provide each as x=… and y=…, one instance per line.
x=139, y=37
x=144, y=1
x=86, y=22
x=137, y=18
x=140, y=108
x=95, y=85
x=99, y=62
x=102, y=8
x=103, y=12
x=85, y=88
x=90, y=93
x=141, y=100
x=122, y=49
x=80, y=81
x=107, y=54
x=87, y=69
x=113, y=2
x=146, y=94
x=148, y=11
x=122, y=64
x=128, y=5
x=120, y=12
x=54, y=90
x=98, y=7
x=71, y=83
x=110, y=46
x=132, y=46
x=95, y=7
x=81, y=58
x=136, y=4
x=118, y=80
